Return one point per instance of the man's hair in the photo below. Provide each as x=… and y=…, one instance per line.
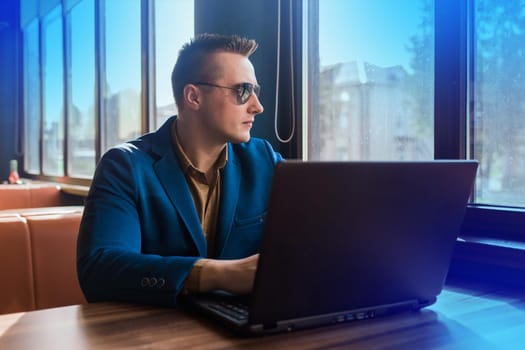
x=193, y=63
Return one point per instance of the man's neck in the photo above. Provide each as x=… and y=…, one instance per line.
x=198, y=148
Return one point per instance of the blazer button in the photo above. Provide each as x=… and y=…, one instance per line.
x=152, y=282
x=144, y=282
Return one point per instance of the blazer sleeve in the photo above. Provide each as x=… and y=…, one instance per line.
x=111, y=264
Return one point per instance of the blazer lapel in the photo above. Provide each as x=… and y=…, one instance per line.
x=172, y=178
x=174, y=182
x=228, y=202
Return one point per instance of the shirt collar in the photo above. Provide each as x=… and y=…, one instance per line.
x=186, y=163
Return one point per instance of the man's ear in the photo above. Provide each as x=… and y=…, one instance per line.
x=192, y=96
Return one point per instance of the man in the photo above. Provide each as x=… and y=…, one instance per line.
x=182, y=208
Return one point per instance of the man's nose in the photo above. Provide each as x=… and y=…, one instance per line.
x=255, y=105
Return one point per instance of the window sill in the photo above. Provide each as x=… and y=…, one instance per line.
x=494, y=260
x=75, y=190
x=504, y=253
x=69, y=189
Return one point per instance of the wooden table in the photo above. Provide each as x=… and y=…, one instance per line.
x=462, y=318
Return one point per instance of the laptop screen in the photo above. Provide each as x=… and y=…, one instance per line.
x=350, y=235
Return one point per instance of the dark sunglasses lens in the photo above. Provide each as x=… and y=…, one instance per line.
x=245, y=91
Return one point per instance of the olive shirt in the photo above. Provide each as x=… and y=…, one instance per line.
x=206, y=196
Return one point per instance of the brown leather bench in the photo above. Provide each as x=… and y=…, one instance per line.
x=38, y=258
x=17, y=291
x=30, y=195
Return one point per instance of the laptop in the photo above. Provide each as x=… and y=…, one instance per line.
x=346, y=241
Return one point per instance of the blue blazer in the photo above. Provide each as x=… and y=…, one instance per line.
x=140, y=233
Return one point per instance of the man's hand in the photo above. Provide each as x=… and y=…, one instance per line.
x=234, y=276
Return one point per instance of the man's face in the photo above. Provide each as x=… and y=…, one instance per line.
x=224, y=119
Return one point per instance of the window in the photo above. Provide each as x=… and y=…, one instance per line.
x=498, y=126
x=475, y=76
x=173, y=27
x=371, y=79
x=53, y=93
x=86, y=79
x=122, y=80
x=32, y=97
x=81, y=92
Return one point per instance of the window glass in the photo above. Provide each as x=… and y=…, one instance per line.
x=372, y=80
x=122, y=85
x=174, y=23
x=31, y=98
x=81, y=106
x=499, y=104
x=53, y=93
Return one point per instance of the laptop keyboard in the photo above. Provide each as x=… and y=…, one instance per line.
x=237, y=311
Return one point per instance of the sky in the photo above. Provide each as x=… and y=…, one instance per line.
x=123, y=47
x=176, y=19
x=123, y=57
x=82, y=51
x=374, y=31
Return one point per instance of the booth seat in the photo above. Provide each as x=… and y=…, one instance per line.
x=38, y=258
x=31, y=195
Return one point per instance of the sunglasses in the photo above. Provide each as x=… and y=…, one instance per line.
x=243, y=90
